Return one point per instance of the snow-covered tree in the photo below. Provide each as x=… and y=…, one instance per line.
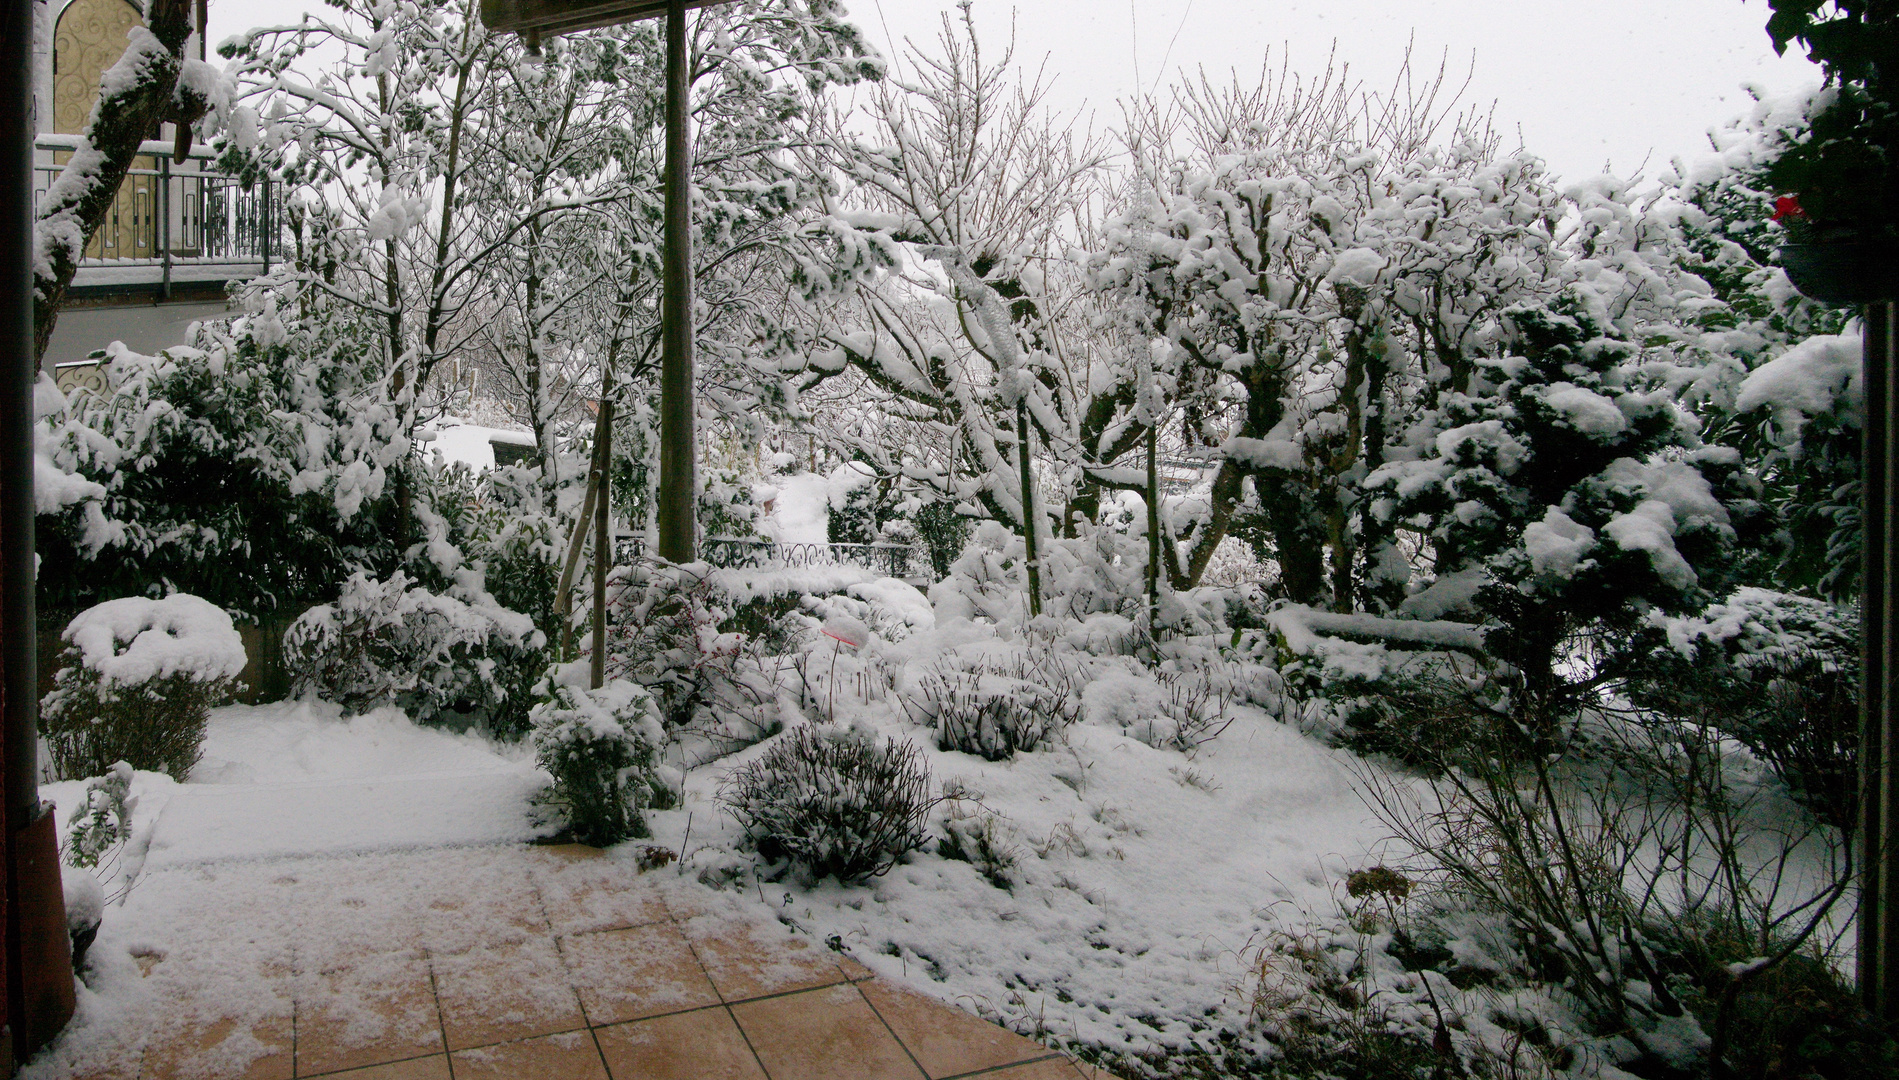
x=965, y=354
x=1310, y=261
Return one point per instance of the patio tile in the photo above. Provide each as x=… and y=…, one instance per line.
x=218, y=1048
x=635, y=973
x=945, y=1040
x=424, y=1068
x=805, y=1036
x=745, y=963
x=700, y=1045
x=494, y=994
x=568, y=1056
x=377, y=1013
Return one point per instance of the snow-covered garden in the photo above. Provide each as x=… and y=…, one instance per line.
x=1283, y=588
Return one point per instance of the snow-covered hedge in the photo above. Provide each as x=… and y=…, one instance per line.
x=136, y=683
x=436, y=656
x=599, y=747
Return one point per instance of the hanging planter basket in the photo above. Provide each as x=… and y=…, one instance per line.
x=1851, y=268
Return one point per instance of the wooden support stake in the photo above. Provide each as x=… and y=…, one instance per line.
x=1153, y=525
x=1028, y=504
x=564, y=591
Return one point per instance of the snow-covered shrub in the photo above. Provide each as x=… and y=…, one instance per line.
x=137, y=681
x=518, y=544
x=1098, y=573
x=1617, y=863
x=96, y=834
x=97, y=828
x=435, y=656
x=254, y=468
x=1199, y=701
x=995, y=705
x=666, y=635
x=855, y=511
x=943, y=532
x=599, y=746
x=893, y=609
x=1780, y=674
x=979, y=838
x=830, y=800
x=726, y=506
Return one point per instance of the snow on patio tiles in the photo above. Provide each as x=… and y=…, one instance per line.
x=638, y=972
x=747, y=961
x=702, y=1045
x=568, y=1056
x=380, y=1011
x=803, y=1036
x=196, y=977
x=582, y=893
x=504, y=992
x=195, y=1049
x=428, y=1068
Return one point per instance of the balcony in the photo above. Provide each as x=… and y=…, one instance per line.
x=176, y=229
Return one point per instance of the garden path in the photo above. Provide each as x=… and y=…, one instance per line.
x=510, y=962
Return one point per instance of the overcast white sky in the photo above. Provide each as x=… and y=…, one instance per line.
x=1588, y=82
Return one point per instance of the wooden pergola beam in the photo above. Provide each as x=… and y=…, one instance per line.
x=550, y=17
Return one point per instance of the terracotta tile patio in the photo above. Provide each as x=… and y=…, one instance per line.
x=591, y=983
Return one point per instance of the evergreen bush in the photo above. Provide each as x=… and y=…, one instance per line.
x=600, y=746
x=137, y=682
x=436, y=657
x=832, y=801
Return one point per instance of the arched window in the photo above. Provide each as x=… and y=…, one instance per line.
x=89, y=38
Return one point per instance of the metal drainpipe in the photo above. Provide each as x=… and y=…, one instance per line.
x=266, y=227
x=164, y=224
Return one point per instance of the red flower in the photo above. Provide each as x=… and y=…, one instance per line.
x=1788, y=206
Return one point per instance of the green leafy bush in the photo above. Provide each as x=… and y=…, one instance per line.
x=435, y=656
x=833, y=801
x=137, y=682
x=600, y=746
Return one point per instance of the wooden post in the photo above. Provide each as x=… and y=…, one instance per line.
x=1154, y=548
x=602, y=536
x=677, y=449
x=1878, y=929
x=1028, y=504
